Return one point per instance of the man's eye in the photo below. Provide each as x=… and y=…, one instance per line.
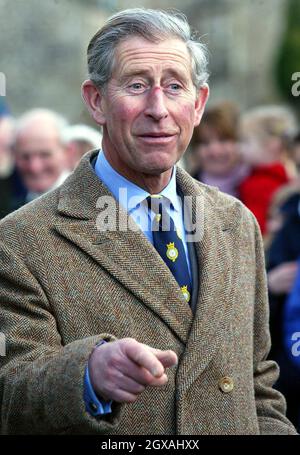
x=175, y=87
x=136, y=86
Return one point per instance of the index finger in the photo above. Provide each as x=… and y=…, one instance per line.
x=168, y=358
x=142, y=355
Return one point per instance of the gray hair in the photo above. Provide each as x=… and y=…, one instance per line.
x=152, y=25
x=29, y=117
x=83, y=133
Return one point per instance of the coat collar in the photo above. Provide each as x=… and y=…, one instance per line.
x=127, y=255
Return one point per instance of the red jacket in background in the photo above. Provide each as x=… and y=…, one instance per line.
x=257, y=189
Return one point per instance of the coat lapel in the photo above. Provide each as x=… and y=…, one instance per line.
x=214, y=262
x=136, y=265
x=126, y=254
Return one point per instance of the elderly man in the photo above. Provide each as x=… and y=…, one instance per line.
x=40, y=151
x=80, y=139
x=115, y=323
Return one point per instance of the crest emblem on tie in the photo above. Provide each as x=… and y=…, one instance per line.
x=185, y=293
x=172, y=252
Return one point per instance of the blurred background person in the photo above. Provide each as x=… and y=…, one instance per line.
x=291, y=335
x=282, y=254
x=6, y=137
x=40, y=152
x=266, y=132
x=11, y=187
x=79, y=139
x=281, y=261
x=6, y=162
x=283, y=202
x=215, y=156
x=295, y=154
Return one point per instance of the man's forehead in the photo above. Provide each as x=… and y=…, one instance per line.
x=39, y=128
x=138, y=50
x=38, y=138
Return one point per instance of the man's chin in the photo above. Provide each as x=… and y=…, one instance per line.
x=156, y=170
x=158, y=167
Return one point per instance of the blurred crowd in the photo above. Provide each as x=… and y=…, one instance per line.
x=37, y=153
x=254, y=156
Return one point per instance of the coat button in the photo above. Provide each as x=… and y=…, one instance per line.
x=226, y=384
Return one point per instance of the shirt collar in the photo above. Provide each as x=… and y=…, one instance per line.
x=128, y=193
x=170, y=192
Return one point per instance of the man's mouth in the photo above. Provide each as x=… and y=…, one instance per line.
x=157, y=137
x=157, y=134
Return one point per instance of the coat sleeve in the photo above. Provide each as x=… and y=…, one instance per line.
x=270, y=404
x=41, y=381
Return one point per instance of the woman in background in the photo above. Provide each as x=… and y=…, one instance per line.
x=215, y=149
x=266, y=132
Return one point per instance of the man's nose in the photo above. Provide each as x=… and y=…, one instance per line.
x=156, y=104
x=35, y=164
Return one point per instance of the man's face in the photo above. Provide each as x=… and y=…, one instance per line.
x=150, y=106
x=40, y=157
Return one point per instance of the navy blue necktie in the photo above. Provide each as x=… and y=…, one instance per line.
x=167, y=241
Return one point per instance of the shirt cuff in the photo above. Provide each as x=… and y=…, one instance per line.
x=93, y=404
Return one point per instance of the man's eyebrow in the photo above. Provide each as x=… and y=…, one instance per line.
x=177, y=73
x=133, y=73
x=145, y=72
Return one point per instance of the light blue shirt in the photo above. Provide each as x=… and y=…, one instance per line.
x=132, y=198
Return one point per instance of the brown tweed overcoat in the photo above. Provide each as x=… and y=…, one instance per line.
x=65, y=285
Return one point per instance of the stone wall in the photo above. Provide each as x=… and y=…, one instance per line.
x=43, y=46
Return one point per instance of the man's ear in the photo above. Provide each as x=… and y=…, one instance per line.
x=201, y=100
x=94, y=101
